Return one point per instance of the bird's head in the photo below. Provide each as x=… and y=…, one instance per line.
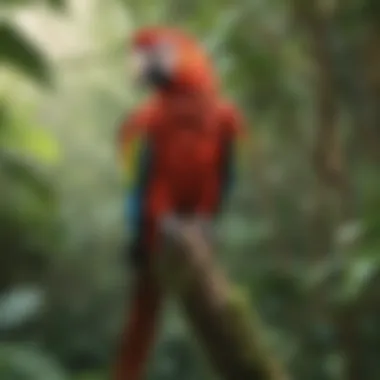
x=166, y=58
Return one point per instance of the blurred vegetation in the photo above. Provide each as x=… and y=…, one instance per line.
x=301, y=233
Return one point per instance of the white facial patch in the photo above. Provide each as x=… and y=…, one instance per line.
x=165, y=55
x=162, y=56
x=140, y=62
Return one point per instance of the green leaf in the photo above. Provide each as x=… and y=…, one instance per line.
x=20, y=169
x=35, y=143
x=358, y=275
x=43, y=146
x=24, y=361
x=19, y=52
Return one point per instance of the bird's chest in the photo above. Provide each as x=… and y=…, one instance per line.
x=186, y=140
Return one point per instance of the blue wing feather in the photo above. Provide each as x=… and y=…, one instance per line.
x=134, y=201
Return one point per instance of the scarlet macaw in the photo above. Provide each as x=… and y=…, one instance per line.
x=187, y=133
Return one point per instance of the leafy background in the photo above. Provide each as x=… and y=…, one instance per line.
x=301, y=233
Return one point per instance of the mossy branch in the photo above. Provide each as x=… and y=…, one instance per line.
x=227, y=329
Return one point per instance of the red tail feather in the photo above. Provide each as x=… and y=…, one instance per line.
x=139, y=335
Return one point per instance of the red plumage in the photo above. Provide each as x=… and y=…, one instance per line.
x=188, y=127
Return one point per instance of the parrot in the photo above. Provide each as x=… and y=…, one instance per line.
x=181, y=143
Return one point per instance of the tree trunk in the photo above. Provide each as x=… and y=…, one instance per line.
x=334, y=203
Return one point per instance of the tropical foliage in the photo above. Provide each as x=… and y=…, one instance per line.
x=301, y=233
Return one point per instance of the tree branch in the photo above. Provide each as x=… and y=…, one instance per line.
x=227, y=331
